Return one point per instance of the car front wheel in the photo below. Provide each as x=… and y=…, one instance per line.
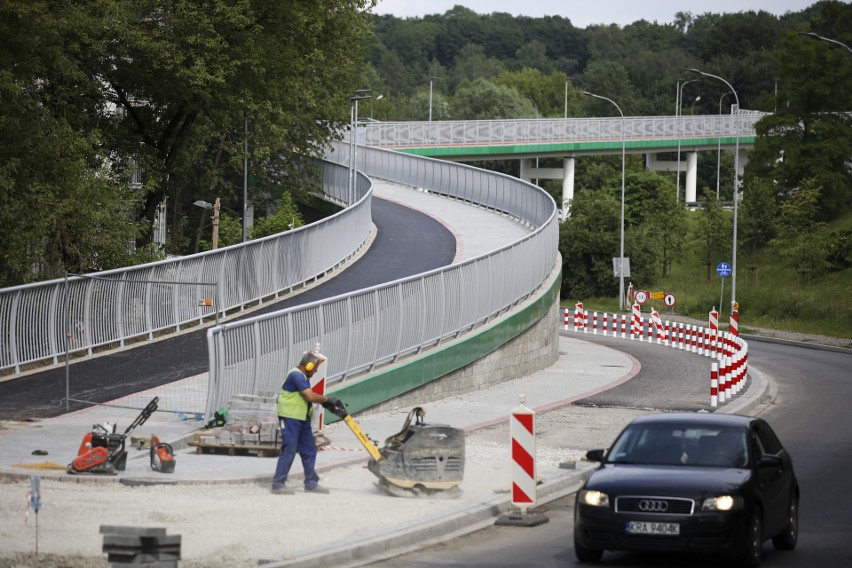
x=786, y=539
x=584, y=554
x=751, y=552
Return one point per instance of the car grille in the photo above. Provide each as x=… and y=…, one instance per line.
x=654, y=505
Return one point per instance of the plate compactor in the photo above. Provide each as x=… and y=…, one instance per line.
x=103, y=450
x=421, y=459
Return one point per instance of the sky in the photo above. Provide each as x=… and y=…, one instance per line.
x=585, y=13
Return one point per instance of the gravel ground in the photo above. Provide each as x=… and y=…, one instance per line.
x=235, y=525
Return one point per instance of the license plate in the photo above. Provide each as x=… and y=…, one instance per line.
x=646, y=527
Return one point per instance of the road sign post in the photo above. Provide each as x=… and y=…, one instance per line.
x=723, y=270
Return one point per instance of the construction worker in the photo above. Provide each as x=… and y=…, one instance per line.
x=295, y=406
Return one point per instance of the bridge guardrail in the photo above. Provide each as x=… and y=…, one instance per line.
x=550, y=130
x=363, y=330
x=113, y=307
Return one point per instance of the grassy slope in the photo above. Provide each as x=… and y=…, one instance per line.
x=772, y=299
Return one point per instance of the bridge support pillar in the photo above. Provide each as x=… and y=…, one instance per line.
x=567, y=186
x=691, y=176
x=526, y=166
x=743, y=160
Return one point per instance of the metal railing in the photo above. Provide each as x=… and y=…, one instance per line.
x=109, y=308
x=551, y=130
x=368, y=328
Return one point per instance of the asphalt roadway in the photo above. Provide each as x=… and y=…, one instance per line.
x=407, y=242
x=587, y=372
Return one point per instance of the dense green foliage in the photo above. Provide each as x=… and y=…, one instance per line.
x=95, y=92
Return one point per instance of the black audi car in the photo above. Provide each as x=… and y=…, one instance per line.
x=689, y=481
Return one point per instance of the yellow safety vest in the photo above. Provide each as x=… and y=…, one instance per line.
x=293, y=404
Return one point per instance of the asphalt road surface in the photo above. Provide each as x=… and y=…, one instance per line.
x=407, y=243
x=811, y=416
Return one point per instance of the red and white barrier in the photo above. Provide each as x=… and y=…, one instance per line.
x=318, y=384
x=658, y=324
x=522, y=432
x=714, y=384
x=714, y=330
x=735, y=323
x=636, y=323
x=730, y=352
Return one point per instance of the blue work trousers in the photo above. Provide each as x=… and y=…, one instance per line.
x=296, y=437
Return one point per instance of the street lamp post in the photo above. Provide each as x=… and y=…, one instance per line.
x=736, y=185
x=431, y=80
x=829, y=40
x=245, y=178
x=692, y=107
x=215, y=207
x=360, y=95
x=621, y=246
x=719, y=150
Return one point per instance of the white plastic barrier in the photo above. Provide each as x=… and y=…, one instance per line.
x=729, y=370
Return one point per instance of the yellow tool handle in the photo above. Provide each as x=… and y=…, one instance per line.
x=368, y=444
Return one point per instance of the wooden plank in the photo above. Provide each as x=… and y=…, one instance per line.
x=268, y=450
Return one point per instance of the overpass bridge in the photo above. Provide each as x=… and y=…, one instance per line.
x=529, y=140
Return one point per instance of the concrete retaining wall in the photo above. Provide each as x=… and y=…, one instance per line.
x=535, y=349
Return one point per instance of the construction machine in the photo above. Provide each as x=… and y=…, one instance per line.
x=102, y=450
x=162, y=456
x=421, y=459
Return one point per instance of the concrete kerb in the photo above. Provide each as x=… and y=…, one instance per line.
x=803, y=344
x=761, y=390
x=432, y=530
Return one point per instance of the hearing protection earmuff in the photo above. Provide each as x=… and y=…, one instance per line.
x=309, y=367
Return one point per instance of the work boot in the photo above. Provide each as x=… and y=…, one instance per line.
x=317, y=489
x=282, y=491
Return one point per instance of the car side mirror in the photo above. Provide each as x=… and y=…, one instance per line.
x=769, y=460
x=595, y=455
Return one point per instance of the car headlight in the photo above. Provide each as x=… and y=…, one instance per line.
x=723, y=503
x=594, y=498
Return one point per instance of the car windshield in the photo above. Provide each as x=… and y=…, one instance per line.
x=677, y=444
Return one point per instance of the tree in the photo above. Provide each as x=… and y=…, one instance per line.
x=110, y=89
x=471, y=64
x=715, y=228
x=547, y=92
x=757, y=214
x=653, y=211
x=801, y=239
x=588, y=241
x=810, y=137
x=285, y=218
x=60, y=210
x=484, y=100
x=609, y=79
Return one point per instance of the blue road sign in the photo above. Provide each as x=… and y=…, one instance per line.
x=724, y=269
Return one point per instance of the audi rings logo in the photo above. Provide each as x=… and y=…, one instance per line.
x=653, y=506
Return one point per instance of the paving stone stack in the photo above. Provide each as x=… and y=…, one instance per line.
x=140, y=546
x=252, y=421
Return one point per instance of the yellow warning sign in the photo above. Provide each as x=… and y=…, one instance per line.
x=658, y=295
